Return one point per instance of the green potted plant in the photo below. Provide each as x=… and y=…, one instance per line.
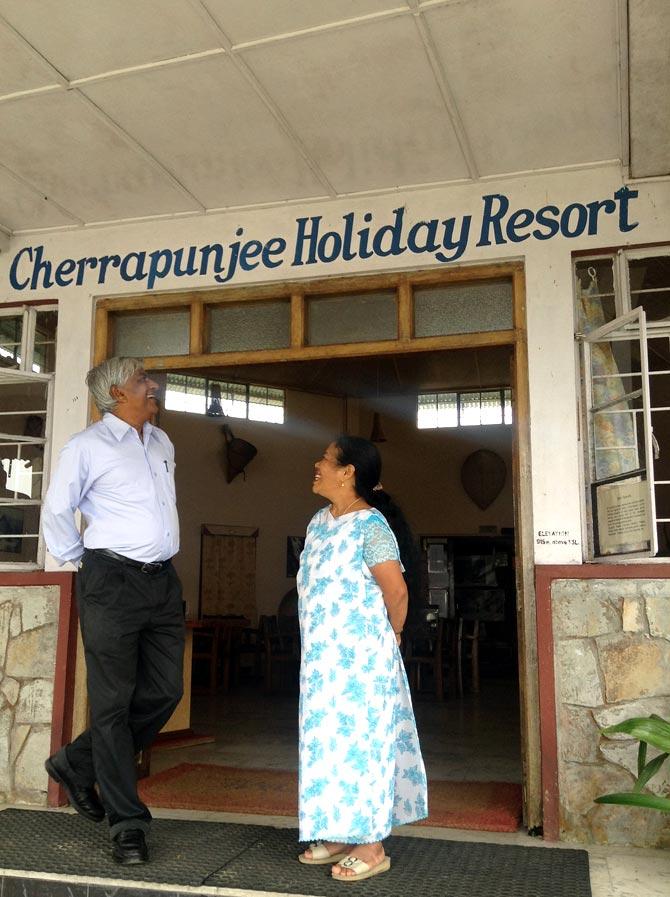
x=652, y=730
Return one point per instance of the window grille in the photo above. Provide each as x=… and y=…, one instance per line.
x=221, y=398
x=464, y=409
x=27, y=360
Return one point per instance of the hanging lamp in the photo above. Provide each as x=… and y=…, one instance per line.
x=377, y=433
x=215, y=409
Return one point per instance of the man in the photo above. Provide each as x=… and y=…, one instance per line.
x=119, y=473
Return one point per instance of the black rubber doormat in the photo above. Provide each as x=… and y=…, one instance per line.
x=261, y=858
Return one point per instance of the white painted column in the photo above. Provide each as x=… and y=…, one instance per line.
x=556, y=472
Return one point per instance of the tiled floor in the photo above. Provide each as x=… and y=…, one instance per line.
x=475, y=737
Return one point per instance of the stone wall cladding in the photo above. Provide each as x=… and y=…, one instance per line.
x=612, y=662
x=28, y=635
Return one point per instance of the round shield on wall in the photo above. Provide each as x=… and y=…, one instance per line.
x=483, y=476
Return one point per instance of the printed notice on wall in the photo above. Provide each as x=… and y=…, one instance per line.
x=623, y=518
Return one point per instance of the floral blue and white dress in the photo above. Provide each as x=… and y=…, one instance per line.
x=361, y=770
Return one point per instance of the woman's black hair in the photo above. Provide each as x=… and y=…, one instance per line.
x=364, y=457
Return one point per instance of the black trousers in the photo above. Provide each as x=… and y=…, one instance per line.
x=132, y=625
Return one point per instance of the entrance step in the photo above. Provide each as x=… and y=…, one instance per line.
x=45, y=854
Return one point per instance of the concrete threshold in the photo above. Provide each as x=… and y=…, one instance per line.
x=614, y=871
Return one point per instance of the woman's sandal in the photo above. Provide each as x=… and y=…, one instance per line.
x=320, y=855
x=360, y=869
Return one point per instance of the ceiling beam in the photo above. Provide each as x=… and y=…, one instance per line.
x=327, y=27
x=27, y=94
x=186, y=59
x=339, y=24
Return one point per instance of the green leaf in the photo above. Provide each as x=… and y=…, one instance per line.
x=641, y=758
x=648, y=729
x=650, y=770
x=629, y=798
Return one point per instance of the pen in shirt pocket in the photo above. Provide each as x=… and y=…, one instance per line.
x=166, y=465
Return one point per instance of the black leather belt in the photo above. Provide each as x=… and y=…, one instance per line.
x=148, y=567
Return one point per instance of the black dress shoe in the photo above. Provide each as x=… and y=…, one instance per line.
x=129, y=847
x=84, y=800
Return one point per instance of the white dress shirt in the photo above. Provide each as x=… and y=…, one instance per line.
x=124, y=488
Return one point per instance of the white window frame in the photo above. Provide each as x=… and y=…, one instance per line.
x=624, y=328
x=29, y=314
x=626, y=316
x=21, y=376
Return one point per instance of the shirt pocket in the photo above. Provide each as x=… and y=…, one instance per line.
x=169, y=468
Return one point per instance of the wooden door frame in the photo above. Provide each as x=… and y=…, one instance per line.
x=297, y=293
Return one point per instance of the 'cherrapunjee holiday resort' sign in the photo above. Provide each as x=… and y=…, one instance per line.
x=359, y=236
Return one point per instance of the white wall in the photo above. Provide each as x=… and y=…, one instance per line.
x=555, y=458
x=421, y=469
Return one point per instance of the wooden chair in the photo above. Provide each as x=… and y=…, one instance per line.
x=468, y=633
x=215, y=642
x=423, y=646
x=247, y=644
x=280, y=640
x=206, y=652
x=476, y=606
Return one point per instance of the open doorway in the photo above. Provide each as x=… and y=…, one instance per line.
x=462, y=655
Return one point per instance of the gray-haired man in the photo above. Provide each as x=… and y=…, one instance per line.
x=119, y=473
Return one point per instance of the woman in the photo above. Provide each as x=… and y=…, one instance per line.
x=361, y=770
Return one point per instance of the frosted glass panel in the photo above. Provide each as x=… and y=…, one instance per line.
x=463, y=308
x=354, y=318
x=241, y=328
x=164, y=333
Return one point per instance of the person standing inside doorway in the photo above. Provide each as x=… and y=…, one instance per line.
x=119, y=473
x=361, y=770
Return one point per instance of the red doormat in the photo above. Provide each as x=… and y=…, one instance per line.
x=483, y=806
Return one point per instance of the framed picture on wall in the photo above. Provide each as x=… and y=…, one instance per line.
x=294, y=547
